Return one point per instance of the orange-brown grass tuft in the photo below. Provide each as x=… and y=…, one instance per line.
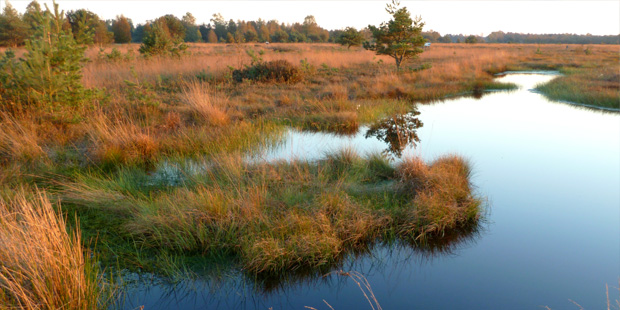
x=19, y=139
x=208, y=106
x=43, y=266
x=442, y=197
x=121, y=141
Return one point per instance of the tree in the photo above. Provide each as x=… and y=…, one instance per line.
x=280, y=36
x=30, y=16
x=432, y=36
x=13, y=30
x=50, y=71
x=230, y=38
x=400, y=38
x=172, y=26
x=121, y=27
x=263, y=33
x=212, y=37
x=192, y=33
x=160, y=40
x=250, y=36
x=88, y=28
x=219, y=25
x=471, y=39
x=137, y=35
x=351, y=37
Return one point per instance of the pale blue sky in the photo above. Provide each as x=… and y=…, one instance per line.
x=467, y=17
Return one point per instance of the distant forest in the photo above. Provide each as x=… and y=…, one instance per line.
x=15, y=28
x=512, y=37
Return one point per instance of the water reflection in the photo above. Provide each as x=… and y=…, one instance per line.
x=398, y=132
x=233, y=289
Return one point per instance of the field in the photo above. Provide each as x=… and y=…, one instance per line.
x=151, y=173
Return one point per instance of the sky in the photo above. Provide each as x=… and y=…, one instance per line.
x=454, y=17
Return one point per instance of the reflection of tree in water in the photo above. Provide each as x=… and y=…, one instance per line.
x=397, y=131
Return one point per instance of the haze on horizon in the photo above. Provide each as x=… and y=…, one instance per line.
x=453, y=17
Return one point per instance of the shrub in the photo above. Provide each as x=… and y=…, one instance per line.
x=158, y=41
x=272, y=71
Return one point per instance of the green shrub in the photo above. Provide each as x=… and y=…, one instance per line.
x=49, y=74
x=158, y=41
x=271, y=71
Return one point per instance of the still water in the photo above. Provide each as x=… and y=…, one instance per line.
x=551, y=173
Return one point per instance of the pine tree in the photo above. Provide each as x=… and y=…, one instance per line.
x=13, y=30
x=400, y=38
x=351, y=37
x=30, y=17
x=88, y=28
x=49, y=74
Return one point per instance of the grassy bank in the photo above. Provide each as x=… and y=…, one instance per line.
x=594, y=87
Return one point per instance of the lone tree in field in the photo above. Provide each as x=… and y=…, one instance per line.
x=351, y=37
x=400, y=38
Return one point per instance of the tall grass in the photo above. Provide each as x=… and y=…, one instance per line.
x=19, y=140
x=42, y=266
x=208, y=106
x=442, y=195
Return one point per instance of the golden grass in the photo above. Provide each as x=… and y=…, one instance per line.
x=206, y=104
x=120, y=140
x=19, y=140
x=42, y=266
x=442, y=195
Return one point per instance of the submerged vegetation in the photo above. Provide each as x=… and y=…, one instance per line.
x=148, y=156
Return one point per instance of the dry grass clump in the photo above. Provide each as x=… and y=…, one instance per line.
x=121, y=140
x=19, y=140
x=42, y=266
x=442, y=196
x=208, y=106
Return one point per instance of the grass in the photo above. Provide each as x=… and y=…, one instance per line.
x=593, y=87
x=44, y=266
x=284, y=216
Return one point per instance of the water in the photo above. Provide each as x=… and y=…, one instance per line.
x=551, y=172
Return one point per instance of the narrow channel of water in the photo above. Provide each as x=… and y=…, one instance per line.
x=551, y=172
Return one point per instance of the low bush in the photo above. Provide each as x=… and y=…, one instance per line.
x=279, y=71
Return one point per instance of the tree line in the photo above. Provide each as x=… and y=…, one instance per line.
x=88, y=28
x=15, y=28
x=526, y=38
